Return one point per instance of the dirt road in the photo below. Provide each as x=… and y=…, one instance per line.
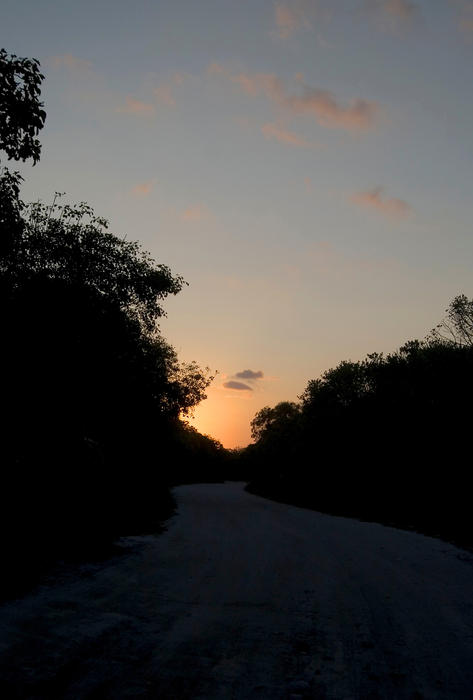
x=246, y=598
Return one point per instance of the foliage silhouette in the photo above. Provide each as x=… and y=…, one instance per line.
x=383, y=439
x=11, y=208
x=21, y=118
x=71, y=244
x=92, y=391
x=457, y=326
x=21, y=112
x=92, y=394
x=272, y=423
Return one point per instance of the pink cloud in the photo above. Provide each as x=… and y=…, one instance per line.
x=194, y=213
x=292, y=15
x=132, y=106
x=143, y=189
x=178, y=78
x=465, y=16
x=356, y=115
x=165, y=92
x=216, y=69
x=70, y=62
x=373, y=199
x=401, y=9
x=288, y=20
x=267, y=84
x=392, y=13
x=273, y=131
x=164, y=95
x=253, y=84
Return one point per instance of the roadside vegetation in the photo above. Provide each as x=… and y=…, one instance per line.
x=94, y=399
x=384, y=439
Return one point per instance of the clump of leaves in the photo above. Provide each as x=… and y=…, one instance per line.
x=21, y=113
x=70, y=243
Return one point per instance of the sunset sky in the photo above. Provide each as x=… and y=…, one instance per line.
x=306, y=166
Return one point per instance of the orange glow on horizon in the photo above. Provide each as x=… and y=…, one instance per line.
x=220, y=417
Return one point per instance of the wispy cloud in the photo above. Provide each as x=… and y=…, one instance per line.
x=132, y=106
x=401, y=8
x=466, y=25
x=69, y=62
x=355, y=115
x=374, y=199
x=249, y=374
x=237, y=386
x=196, y=212
x=289, y=18
x=215, y=69
x=464, y=10
x=178, y=78
x=254, y=84
x=292, y=16
x=392, y=14
x=143, y=189
x=164, y=95
x=165, y=92
x=267, y=84
x=279, y=133
x=287, y=21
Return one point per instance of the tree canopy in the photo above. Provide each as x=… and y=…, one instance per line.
x=21, y=113
x=92, y=394
x=21, y=119
x=382, y=438
x=71, y=244
x=457, y=326
x=274, y=423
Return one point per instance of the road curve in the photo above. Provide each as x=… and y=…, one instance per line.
x=245, y=598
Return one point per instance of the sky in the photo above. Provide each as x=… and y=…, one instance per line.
x=305, y=165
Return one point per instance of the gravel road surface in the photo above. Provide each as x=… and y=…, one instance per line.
x=246, y=598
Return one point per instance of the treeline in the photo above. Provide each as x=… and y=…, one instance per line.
x=94, y=399
x=385, y=439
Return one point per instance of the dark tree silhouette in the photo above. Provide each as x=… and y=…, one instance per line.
x=11, y=208
x=384, y=438
x=274, y=423
x=91, y=390
x=21, y=119
x=70, y=244
x=92, y=394
x=21, y=112
x=457, y=326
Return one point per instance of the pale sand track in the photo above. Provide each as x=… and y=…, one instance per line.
x=246, y=598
